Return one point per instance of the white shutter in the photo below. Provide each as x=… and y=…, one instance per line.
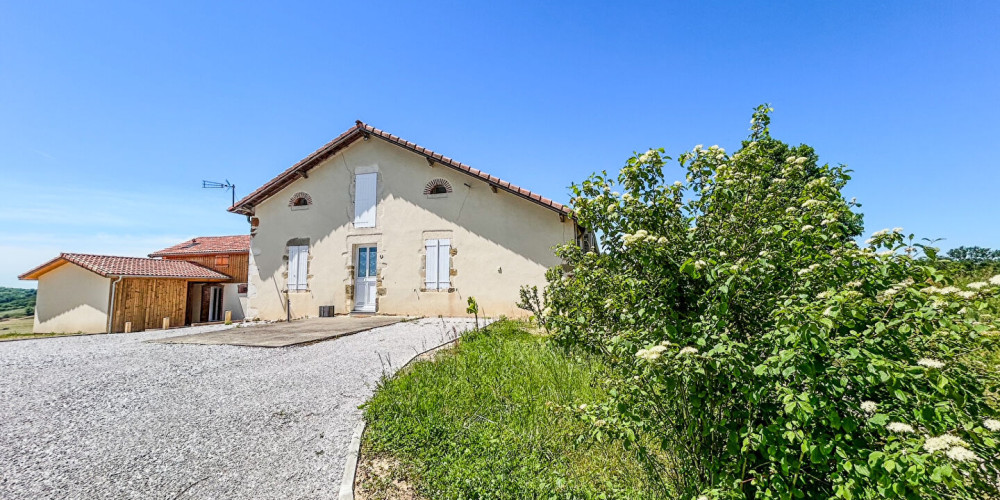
x=303, y=266
x=444, y=264
x=293, y=268
x=431, y=265
x=364, y=199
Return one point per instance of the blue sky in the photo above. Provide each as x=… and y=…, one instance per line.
x=111, y=114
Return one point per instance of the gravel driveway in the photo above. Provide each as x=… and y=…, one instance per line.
x=115, y=417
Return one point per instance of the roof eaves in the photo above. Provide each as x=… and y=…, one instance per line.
x=206, y=252
x=245, y=205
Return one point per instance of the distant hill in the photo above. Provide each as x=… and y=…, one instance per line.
x=16, y=298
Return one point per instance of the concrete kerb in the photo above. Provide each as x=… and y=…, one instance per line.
x=351, y=467
x=354, y=450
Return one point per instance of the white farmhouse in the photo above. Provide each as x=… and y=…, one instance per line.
x=372, y=223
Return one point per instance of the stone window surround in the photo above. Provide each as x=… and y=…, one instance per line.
x=453, y=251
x=436, y=183
x=284, y=260
x=300, y=196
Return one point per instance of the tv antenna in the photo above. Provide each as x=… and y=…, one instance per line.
x=220, y=185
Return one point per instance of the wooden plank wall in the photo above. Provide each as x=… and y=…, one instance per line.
x=239, y=264
x=146, y=301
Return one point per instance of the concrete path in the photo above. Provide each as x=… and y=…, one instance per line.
x=298, y=332
x=114, y=416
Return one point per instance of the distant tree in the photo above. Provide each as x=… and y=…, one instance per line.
x=975, y=256
x=30, y=311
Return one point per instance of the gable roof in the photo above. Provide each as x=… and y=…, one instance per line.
x=110, y=265
x=361, y=130
x=208, y=245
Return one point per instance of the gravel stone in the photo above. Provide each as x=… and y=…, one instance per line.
x=112, y=416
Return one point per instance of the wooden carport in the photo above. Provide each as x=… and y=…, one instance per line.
x=146, y=302
x=143, y=293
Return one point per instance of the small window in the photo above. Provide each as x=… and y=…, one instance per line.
x=241, y=289
x=300, y=201
x=221, y=260
x=437, y=188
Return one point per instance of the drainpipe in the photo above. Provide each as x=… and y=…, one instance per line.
x=111, y=303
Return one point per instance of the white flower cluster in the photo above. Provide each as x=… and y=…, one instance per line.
x=900, y=428
x=949, y=290
x=930, y=363
x=956, y=448
x=687, y=350
x=651, y=354
x=648, y=156
x=960, y=454
x=991, y=424
x=995, y=280
x=796, y=160
x=977, y=285
x=943, y=442
x=880, y=235
x=808, y=227
x=642, y=236
x=869, y=407
x=812, y=203
x=811, y=268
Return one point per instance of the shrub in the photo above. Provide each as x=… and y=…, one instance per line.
x=766, y=350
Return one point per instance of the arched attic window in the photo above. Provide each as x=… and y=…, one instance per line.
x=300, y=201
x=437, y=188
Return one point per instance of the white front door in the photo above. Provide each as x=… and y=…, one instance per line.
x=366, y=263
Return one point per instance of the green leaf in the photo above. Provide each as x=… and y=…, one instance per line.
x=879, y=419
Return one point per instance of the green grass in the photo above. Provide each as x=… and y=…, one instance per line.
x=480, y=422
x=16, y=328
x=23, y=328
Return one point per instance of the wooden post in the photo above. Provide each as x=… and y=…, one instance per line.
x=166, y=323
x=229, y=317
x=128, y=327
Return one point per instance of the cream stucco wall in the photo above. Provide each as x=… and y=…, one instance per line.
x=72, y=299
x=500, y=241
x=233, y=301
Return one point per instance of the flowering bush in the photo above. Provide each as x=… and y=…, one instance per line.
x=769, y=353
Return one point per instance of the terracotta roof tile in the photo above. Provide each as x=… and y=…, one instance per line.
x=208, y=245
x=110, y=265
x=245, y=205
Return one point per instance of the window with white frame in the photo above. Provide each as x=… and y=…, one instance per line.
x=298, y=267
x=364, y=199
x=437, y=264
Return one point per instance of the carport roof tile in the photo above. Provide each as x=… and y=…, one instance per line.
x=208, y=245
x=111, y=265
